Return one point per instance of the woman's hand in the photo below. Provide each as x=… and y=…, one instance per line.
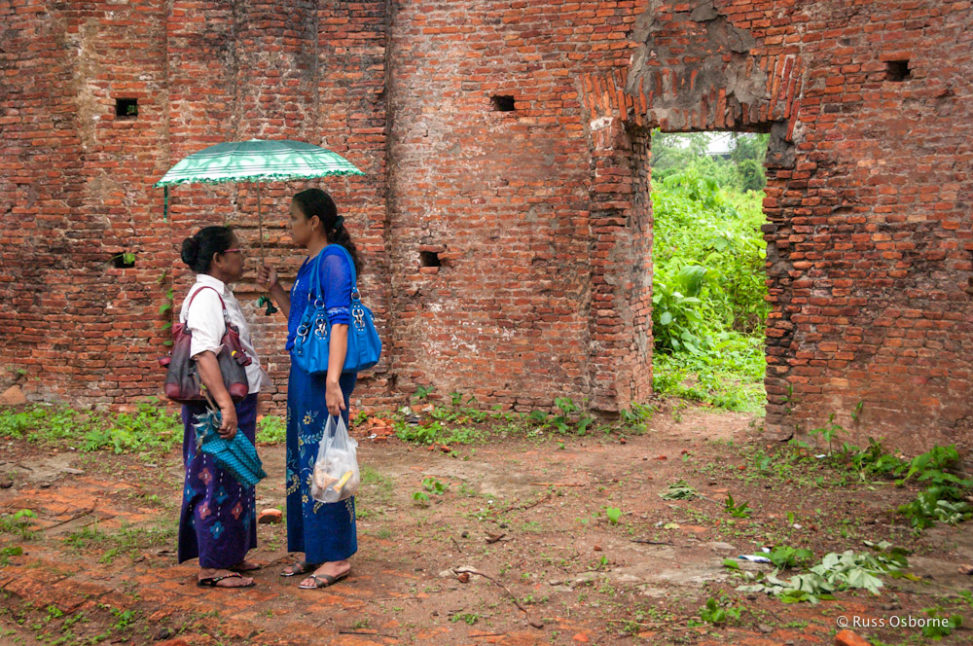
x=334, y=399
x=266, y=278
x=228, y=423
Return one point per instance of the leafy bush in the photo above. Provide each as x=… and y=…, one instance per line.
x=945, y=497
x=709, y=289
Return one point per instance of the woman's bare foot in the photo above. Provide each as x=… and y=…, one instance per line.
x=245, y=566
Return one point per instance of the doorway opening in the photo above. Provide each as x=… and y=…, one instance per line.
x=709, y=278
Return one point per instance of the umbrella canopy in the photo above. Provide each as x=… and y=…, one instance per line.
x=257, y=160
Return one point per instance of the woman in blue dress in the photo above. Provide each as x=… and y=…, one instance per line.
x=324, y=532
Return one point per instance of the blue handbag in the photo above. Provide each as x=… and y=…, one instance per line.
x=312, y=342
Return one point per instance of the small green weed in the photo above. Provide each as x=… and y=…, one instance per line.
x=271, y=429
x=613, y=514
x=785, y=557
x=433, y=486
x=938, y=625
x=679, y=490
x=18, y=523
x=719, y=611
x=944, y=499
x=741, y=510
x=7, y=552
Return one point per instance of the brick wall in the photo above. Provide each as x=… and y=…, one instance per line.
x=525, y=206
x=504, y=217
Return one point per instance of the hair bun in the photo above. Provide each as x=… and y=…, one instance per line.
x=190, y=251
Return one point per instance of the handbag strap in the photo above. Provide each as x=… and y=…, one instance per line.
x=226, y=315
x=315, y=284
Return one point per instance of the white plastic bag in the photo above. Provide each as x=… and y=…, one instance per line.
x=335, y=476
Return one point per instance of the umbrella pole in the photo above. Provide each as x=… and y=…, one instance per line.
x=260, y=225
x=265, y=299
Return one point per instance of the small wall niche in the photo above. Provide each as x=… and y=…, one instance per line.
x=123, y=260
x=897, y=71
x=429, y=259
x=126, y=108
x=503, y=103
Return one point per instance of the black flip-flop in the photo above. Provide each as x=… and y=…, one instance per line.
x=214, y=581
x=300, y=568
x=323, y=581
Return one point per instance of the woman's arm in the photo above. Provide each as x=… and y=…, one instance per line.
x=337, y=349
x=209, y=373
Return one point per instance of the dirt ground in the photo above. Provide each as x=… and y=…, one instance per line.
x=516, y=544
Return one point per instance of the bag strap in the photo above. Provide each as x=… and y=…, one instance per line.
x=315, y=284
x=226, y=315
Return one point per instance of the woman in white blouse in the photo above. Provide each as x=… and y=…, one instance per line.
x=218, y=518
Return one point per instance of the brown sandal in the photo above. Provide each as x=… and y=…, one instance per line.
x=322, y=581
x=301, y=567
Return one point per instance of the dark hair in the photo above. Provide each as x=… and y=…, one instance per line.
x=313, y=202
x=198, y=251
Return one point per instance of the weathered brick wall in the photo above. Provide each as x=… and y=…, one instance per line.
x=870, y=235
x=538, y=216
x=76, y=182
x=73, y=196
x=525, y=207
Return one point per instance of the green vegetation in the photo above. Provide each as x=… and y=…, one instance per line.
x=945, y=497
x=836, y=572
x=741, y=510
x=719, y=611
x=614, y=514
x=271, y=430
x=709, y=308
x=128, y=540
x=679, y=490
x=18, y=523
x=462, y=420
x=150, y=428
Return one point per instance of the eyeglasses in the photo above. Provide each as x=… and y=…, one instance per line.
x=234, y=250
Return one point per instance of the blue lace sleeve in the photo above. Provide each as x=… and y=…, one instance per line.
x=336, y=282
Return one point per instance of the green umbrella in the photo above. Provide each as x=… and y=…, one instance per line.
x=256, y=161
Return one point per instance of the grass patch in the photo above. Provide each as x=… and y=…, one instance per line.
x=151, y=428
x=129, y=540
